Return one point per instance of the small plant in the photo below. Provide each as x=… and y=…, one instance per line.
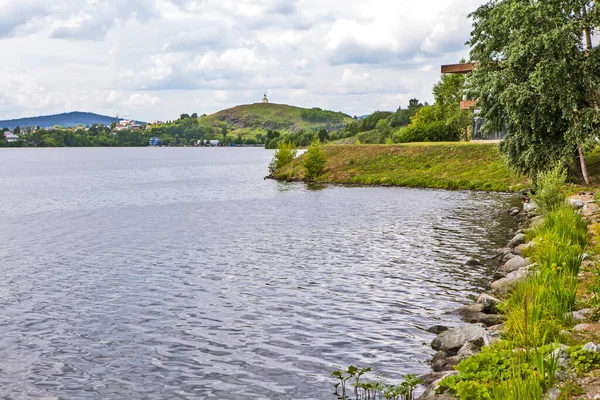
x=373, y=390
x=550, y=194
x=285, y=153
x=583, y=360
x=314, y=160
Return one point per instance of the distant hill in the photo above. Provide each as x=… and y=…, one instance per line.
x=70, y=119
x=258, y=118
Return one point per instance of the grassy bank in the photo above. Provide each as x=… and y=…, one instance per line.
x=471, y=166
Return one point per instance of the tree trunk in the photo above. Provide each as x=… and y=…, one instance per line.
x=586, y=32
x=582, y=163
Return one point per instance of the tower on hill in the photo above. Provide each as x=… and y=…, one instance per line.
x=265, y=100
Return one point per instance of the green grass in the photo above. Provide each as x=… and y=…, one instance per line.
x=470, y=166
x=252, y=119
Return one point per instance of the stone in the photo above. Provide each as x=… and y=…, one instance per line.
x=582, y=314
x=515, y=263
x=469, y=311
x=469, y=349
x=591, y=346
x=517, y=240
x=508, y=257
x=437, y=329
x=489, y=303
x=514, y=211
x=535, y=221
x=428, y=379
x=439, y=361
x=518, y=250
x=490, y=319
x=529, y=207
x=473, y=262
x=576, y=203
x=561, y=356
x=431, y=393
x=453, y=339
x=504, y=286
x=581, y=327
x=553, y=394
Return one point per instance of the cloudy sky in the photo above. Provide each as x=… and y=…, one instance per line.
x=156, y=59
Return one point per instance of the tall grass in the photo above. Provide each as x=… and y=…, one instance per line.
x=549, y=189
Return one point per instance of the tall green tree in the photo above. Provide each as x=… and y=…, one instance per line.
x=537, y=77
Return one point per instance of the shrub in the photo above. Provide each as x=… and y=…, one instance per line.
x=314, y=160
x=427, y=132
x=549, y=189
x=286, y=152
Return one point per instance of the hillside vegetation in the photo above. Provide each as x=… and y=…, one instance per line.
x=258, y=119
x=472, y=166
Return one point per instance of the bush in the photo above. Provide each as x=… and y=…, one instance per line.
x=429, y=132
x=314, y=160
x=285, y=153
x=549, y=189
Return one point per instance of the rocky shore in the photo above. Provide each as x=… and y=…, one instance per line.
x=485, y=323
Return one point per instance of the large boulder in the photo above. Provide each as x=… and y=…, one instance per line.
x=530, y=207
x=502, y=287
x=452, y=340
x=432, y=392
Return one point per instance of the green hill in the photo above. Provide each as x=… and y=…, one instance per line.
x=252, y=119
x=66, y=120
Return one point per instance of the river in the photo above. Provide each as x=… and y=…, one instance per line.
x=179, y=273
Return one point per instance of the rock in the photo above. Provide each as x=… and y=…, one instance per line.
x=517, y=240
x=553, y=394
x=529, y=207
x=473, y=262
x=490, y=319
x=469, y=349
x=502, y=287
x=508, y=257
x=515, y=263
x=439, y=361
x=582, y=314
x=428, y=379
x=561, y=356
x=437, y=329
x=469, y=311
x=495, y=331
x=576, y=203
x=518, y=250
x=453, y=339
x=591, y=346
x=585, y=257
x=489, y=303
x=581, y=327
x=535, y=221
x=514, y=211
x=432, y=391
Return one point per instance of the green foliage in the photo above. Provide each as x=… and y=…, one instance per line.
x=403, y=115
x=318, y=115
x=583, y=360
x=535, y=79
x=314, y=160
x=285, y=154
x=550, y=189
x=373, y=390
x=503, y=372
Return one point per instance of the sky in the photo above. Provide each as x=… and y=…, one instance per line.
x=157, y=59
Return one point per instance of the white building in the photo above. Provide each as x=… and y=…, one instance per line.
x=10, y=137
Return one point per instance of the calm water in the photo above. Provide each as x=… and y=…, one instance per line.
x=182, y=274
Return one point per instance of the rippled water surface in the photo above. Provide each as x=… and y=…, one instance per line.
x=182, y=274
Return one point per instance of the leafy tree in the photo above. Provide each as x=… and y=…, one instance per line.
x=448, y=93
x=384, y=129
x=537, y=77
x=285, y=154
x=323, y=135
x=17, y=130
x=314, y=160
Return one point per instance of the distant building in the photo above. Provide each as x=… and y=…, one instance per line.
x=213, y=143
x=10, y=137
x=154, y=141
x=154, y=122
x=265, y=100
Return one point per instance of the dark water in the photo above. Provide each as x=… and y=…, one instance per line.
x=182, y=274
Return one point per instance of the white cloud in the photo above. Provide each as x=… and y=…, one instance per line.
x=139, y=100
x=154, y=59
